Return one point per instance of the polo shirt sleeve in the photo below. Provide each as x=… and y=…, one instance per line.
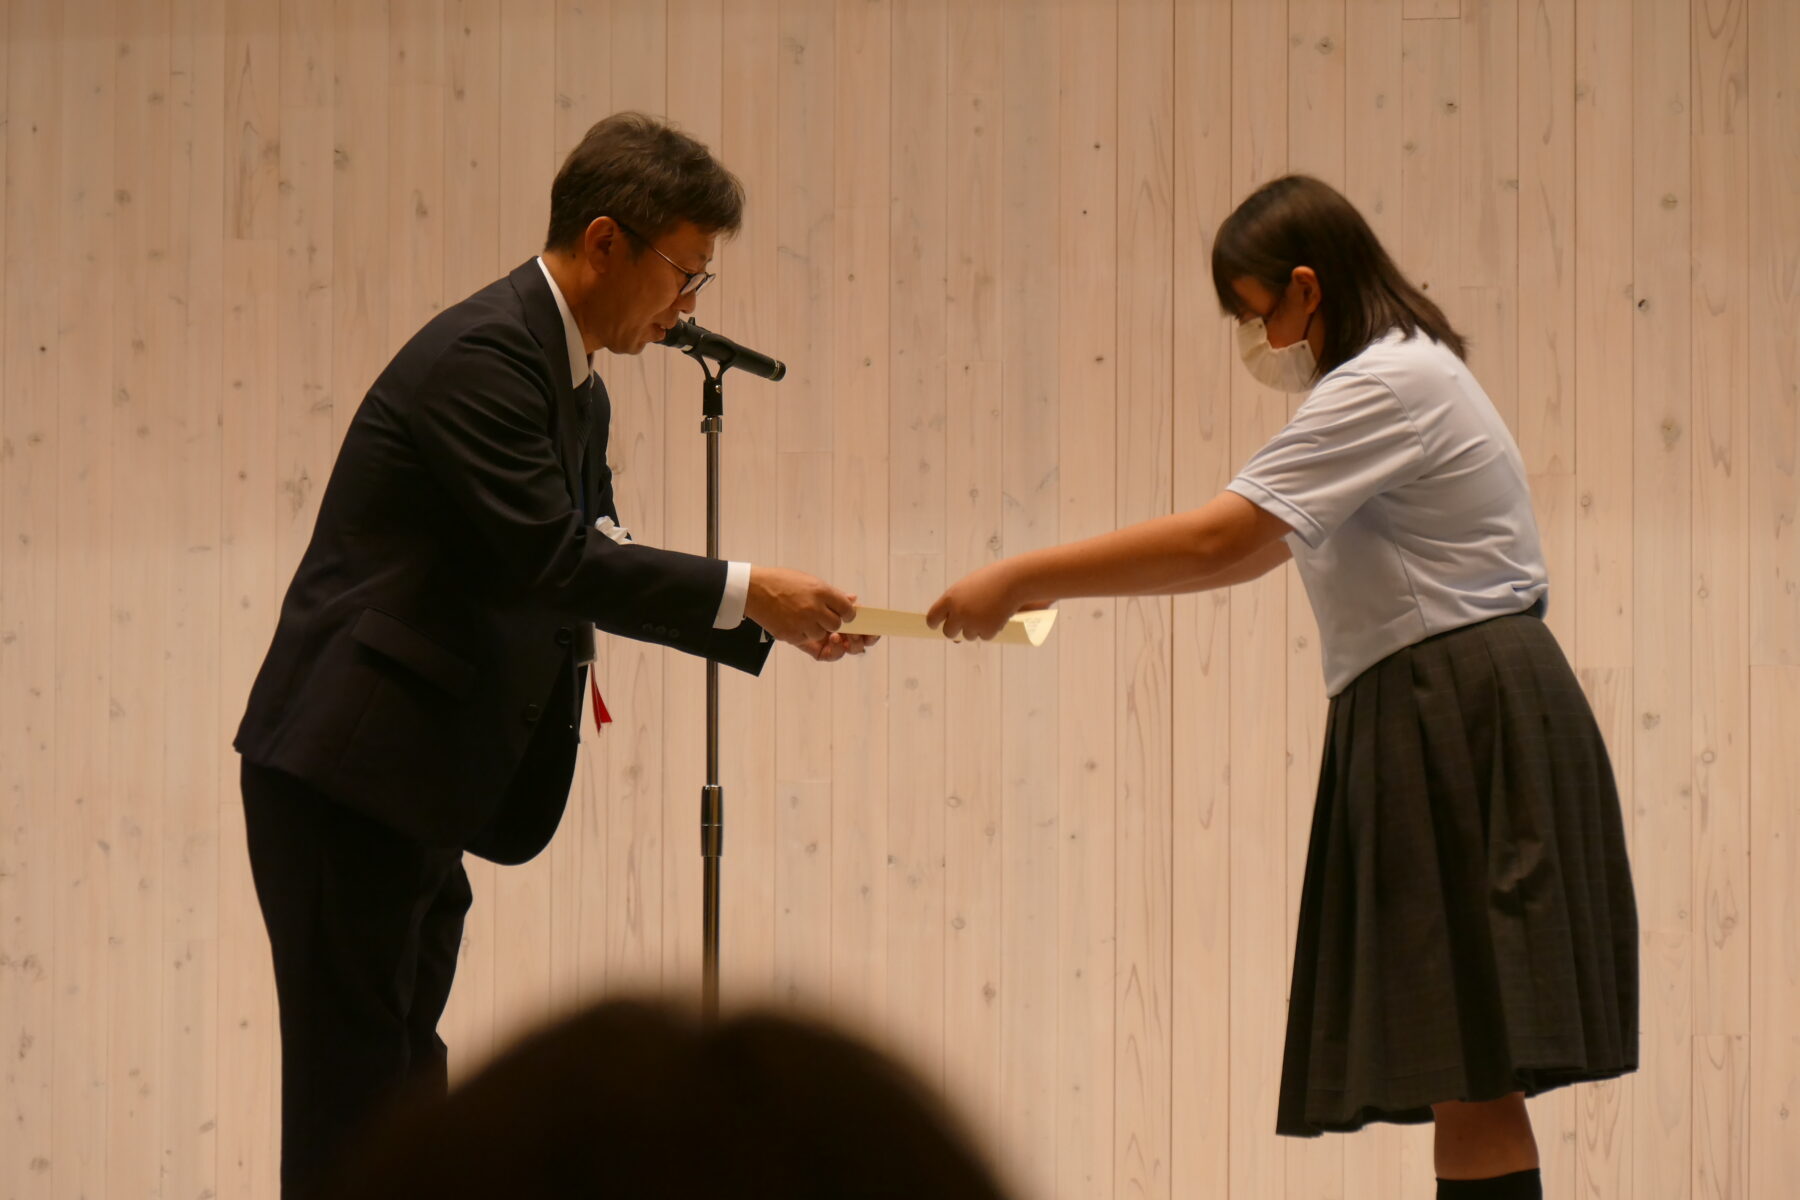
x=1351, y=440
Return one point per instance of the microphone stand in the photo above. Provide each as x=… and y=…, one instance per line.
x=701, y=345
x=712, y=795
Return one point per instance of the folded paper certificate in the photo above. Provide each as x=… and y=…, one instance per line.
x=1024, y=629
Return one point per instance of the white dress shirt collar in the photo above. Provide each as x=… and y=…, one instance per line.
x=580, y=364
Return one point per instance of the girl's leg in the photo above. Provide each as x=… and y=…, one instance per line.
x=1483, y=1140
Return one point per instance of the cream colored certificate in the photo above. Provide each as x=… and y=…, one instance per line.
x=1024, y=629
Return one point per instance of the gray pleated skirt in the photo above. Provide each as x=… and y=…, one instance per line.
x=1467, y=925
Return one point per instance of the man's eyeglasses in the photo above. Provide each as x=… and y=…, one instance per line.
x=691, y=281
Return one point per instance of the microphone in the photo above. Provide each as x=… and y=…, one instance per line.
x=690, y=338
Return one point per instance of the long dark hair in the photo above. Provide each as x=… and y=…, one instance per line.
x=1299, y=221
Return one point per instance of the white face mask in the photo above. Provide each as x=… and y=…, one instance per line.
x=1289, y=369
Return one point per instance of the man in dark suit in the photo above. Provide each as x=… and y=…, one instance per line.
x=424, y=689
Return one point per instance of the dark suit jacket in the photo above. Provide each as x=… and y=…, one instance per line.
x=422, y=671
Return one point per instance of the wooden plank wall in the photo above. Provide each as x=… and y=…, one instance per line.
x=1063, y=882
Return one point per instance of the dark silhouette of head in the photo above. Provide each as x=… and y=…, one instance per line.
x=632, y=1099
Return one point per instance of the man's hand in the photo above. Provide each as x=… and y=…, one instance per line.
x=834, y=646
x=795, y=607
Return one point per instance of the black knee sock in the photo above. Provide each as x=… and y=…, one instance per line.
x=1520, y=1185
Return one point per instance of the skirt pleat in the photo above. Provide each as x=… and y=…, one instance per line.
x=1467, y=925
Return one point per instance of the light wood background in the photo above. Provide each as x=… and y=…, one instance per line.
x=1062, y=882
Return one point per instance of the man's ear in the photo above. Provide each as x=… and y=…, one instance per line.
x=600, y=242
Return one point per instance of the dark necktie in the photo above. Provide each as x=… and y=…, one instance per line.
x=584, y=421
x=584, y=409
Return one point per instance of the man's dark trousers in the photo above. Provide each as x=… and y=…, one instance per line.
x=364, y=925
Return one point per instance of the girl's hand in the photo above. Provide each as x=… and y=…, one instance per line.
x=979, y=604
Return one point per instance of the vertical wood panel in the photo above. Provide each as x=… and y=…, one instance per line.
x=1259, y=888
x=974, y=504
x=1374, y=128
x=802, y=957
x=31, y=893
x=1145, y=489
x=415, y=154
x=362, y=283
x=1603, y=337
x=84, y=484
x=1721, y=1134
x=1774, y=378
x=1103, y=1103
x=1662, y=500
x=1318, y=89
x=1774, y=921
x=1031, y=399
x=917, y=505
x=1721, y=533
x=1547, y=267
x=303, y=276
x=859, y=499
x=1489, y=106
x=1488, y=270
x=195, y=733
x=1431, y=123
x=142, y=350
x=913, y=944
x=1774, y=110
x=1200, y=999
x=805, y=143
x=305, y=270
x=749, y=525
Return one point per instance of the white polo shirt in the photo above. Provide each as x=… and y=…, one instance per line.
x=1408, y=500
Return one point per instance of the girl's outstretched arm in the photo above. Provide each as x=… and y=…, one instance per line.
x=1180, y=552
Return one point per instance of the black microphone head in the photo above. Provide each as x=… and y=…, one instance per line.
x=699, y=342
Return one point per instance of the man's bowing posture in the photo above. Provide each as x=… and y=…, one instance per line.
x=424, y=690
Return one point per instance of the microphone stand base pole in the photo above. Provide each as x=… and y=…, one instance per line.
x=712, y=796
x=712, y=845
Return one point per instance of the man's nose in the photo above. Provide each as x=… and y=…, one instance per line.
x=686, y=303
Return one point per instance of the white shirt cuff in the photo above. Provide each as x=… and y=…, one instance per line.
x=737, y=594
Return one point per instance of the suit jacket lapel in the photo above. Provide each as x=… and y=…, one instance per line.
x=545, y=324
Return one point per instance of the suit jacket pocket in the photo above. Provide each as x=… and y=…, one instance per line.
x=395, y=639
